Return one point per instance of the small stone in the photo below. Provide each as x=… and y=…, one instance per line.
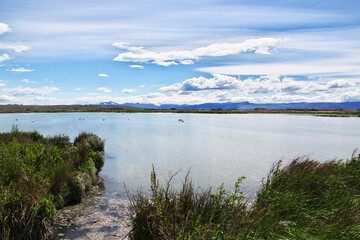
x=61, y=235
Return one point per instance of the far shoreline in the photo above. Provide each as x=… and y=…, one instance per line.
x=125, y=109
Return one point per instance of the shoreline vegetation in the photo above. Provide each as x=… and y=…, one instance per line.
x=305, y=199
x=39, y=175
x=124, y=109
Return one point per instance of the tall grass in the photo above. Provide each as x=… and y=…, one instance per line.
x=38, y=175
x=305, y=199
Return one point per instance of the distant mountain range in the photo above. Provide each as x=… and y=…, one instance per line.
x=246, y=105
x=110, y=103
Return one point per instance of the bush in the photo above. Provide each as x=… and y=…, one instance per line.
x=46, y=208
x=38, y=175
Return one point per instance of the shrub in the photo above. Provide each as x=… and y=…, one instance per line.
x=37, y=175
x=92, y=146
x=46, y=208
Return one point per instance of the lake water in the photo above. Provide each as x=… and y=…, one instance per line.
x=217, y=148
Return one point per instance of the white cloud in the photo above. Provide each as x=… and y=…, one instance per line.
x=28, y=81
x=142, y=86
x=77, y=89
x=21, y=69
x=2, y=84
x=104, y=89
x=341, y=83
x=138, y=54
x=103, y=75
x=128, y=90
x=187, y=62
x=270, y=84
x=16, y=48
x=201, y=83
x=4, y=28
x=324, y=67
x=4, y=57
x=136, y=66
x=21, y=91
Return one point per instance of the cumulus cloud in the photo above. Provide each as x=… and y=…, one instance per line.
x=21, y=69
x=217, y=82
x=137, y=66
x=128, y=90
x=139, y=54
x=2, y=84
x=15, y=47
x=4, y=57
x=104, y=89
x=4, y=28
x=77, y=89
x=103, y=75
x=259, y=85
x=341, y=83
x=21, y=91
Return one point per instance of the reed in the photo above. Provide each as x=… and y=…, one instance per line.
x=305, y=199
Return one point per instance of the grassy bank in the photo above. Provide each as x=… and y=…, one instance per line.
x=40, y=174
x=124, y=109
x=304, y=200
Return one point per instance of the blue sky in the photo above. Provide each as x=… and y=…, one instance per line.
x=179, y=52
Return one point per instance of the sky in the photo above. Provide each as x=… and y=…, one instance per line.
x=179, y=52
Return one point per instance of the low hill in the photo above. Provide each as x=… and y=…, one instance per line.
x=62, y=108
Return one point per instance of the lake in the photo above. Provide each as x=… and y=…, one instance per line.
x=216, y=148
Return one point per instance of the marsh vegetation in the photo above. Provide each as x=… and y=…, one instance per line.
x=39, y=175
x=305, y=199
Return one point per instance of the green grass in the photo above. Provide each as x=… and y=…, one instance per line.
x=304, y=200
x=40, y=174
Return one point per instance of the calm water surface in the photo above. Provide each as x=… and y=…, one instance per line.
x=217, y=148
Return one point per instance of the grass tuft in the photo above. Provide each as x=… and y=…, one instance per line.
x=305, y=199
